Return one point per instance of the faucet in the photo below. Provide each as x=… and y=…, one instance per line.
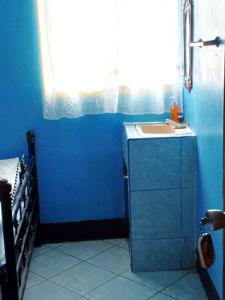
x=175, y=125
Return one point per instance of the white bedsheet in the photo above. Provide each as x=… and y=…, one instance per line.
x=2, y=248
x=8, y=170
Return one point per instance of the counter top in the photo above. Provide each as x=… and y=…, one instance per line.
x=132, y=133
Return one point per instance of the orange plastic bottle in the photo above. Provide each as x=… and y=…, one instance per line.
x=174, y=111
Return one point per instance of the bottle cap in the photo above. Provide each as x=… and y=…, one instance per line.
x=181, y=118
x=173, y=99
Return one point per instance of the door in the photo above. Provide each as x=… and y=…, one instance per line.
x=221, y=220
x=224, y=181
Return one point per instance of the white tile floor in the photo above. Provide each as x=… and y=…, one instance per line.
x=100, y=270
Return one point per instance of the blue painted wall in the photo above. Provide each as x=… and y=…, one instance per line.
x=204, y=112
x=79, y=160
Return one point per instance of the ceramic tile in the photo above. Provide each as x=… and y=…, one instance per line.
x=188, y=252
x=156, y=255
x=155, y=280
x=51, y=263
x=187, y=288
x=161, y=296
x=121, y=289
x=188, y=211
x=155, y=164
x=188, y=162
x=115, y=259
x=86, y=281
x=84, y=250
x=83, y=278
x=49, y=291
x=33, y=279
x=54, y=245
x=40, y=250
x=124, y=243
x=155, y=213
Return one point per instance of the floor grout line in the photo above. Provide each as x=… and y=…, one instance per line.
x=37, y=255
x=161, y=291
x=39, y=283
x=70, y=290
x=37, y=275
x=124, y=248
x=142, y=284
x=120, y=275
x=80, y=261
x=84, y=260
x=104, y=269
x=113, y=246
x=88, y=291
x=53, y=249
x=49, y=245
x=58, y=273
x=71, y=267
x=85, y=295
x=172, y=297
x=162, y=294
x=71, y=255
x=115, y=275
x=117, y=244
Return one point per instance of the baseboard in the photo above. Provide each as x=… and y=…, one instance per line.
x=207, y=283
x=84, y=230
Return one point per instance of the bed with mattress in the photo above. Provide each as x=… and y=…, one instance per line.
x=19, y=220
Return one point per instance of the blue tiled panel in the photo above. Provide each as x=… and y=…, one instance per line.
x=125, y=147
x=162, y=203
x=156, y=255
x=155, y=213
x=188, y=252
x=188, y=162
x=155, y=163
x=188, y=211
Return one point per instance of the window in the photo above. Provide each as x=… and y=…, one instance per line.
x=108, y=56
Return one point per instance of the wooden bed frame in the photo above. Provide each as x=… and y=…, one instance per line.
x=20, y=221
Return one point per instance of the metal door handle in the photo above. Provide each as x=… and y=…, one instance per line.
x=215, y=218
x=200, y=43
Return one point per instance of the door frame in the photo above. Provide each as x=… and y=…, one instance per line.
x=224, y=179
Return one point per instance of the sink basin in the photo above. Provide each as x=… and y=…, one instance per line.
x=160, y=128
x=155, y=129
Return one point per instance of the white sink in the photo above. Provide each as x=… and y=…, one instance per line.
x=161, y=128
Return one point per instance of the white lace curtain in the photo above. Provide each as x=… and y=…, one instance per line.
x=102, y=56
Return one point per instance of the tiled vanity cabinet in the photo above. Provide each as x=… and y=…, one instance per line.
x=161, y=200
